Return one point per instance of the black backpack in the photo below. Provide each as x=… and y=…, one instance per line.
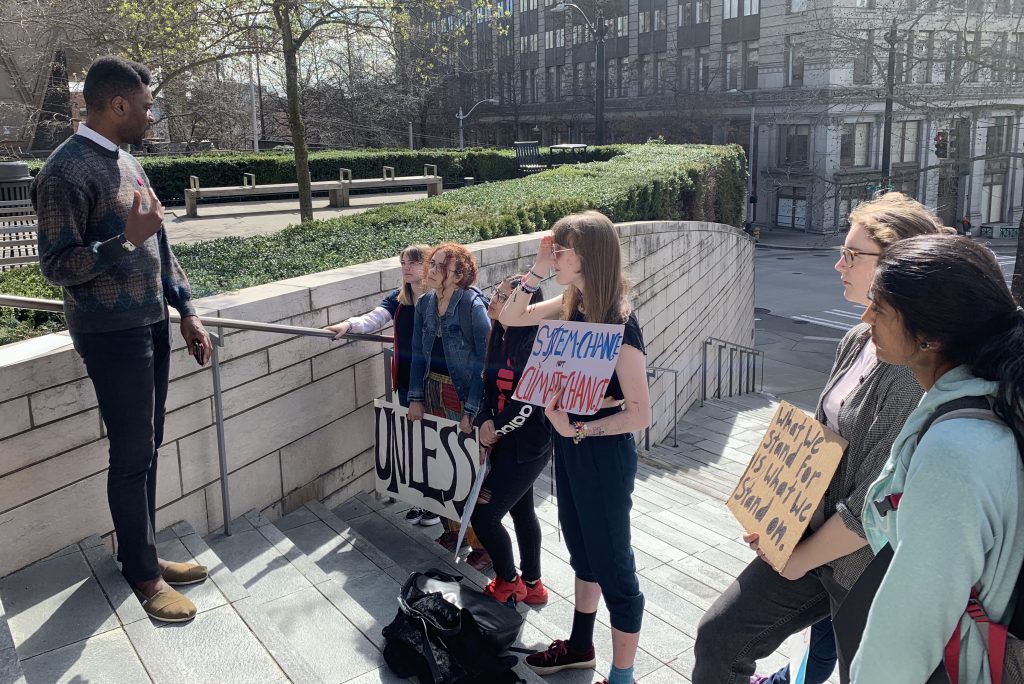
x=445, y=633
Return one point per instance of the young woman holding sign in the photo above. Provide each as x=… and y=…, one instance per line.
x=520, y=446
x=595, y=456
x=866, y=401
x=449, y=339
x=950, y=500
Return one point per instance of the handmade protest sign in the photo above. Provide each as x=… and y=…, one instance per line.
x=579, y=356
x=785, y=481
x=429, y=463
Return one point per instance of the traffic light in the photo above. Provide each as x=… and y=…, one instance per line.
x=953, y=148
x=942, y=144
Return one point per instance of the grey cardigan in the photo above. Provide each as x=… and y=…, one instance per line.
x=870, y=418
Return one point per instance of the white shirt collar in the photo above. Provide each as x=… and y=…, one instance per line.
x=90, y=134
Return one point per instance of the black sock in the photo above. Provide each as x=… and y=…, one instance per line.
x=582, y=638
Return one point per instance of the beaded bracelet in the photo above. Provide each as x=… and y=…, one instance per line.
x=527, y=288
x=581, y=432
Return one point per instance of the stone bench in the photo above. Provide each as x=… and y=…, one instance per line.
x=338, y=190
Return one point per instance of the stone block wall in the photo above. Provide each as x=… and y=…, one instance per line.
x=298, y=410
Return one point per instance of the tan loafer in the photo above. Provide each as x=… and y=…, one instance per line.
x=180, y=574
x=167, y=605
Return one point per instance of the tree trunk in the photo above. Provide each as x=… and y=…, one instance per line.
x=290, y=49
x=1017, y=283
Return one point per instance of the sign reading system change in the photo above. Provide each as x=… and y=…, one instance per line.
x=429, y=463
x=579, y=356
x=785, y=481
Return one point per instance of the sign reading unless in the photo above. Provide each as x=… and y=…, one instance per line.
x=429, y=463
x=579, y=356
x=785, y=481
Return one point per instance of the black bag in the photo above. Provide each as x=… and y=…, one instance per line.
x=445, y=633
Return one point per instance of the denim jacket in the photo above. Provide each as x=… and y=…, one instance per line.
x=463, y=351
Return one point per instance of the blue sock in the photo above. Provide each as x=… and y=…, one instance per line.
x=619, y=675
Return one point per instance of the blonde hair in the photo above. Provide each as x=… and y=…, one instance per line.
x=894, y=217
x=406, y=297
x=593, y=237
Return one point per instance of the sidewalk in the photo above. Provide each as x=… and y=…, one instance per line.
x=780, y=238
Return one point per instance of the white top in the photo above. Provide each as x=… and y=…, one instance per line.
x=855, y=375
x=90, y=134
x=369, y=322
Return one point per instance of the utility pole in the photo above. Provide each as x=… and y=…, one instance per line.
x=890, y=83
x=600, y=32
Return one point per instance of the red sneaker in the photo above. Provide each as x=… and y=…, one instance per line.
x=559, y=657
x=536, y=595
x=502, y=590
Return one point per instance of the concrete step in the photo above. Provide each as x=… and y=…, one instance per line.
x=309, y=608
x=10, y=664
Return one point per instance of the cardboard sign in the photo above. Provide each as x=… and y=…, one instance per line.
x=579, y=356
x=785, y=481
x=430, y=464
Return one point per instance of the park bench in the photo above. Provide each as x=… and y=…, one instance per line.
x=528, y=159
x=18, y=227
x=338, y=190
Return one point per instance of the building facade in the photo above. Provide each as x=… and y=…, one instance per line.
x=800, y=84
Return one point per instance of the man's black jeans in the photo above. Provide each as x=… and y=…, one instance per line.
x=129, y=371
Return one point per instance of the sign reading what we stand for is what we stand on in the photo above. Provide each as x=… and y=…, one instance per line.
x=785, y=481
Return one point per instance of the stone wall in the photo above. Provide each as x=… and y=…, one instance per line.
x=298, y=410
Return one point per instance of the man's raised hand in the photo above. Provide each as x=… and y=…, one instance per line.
x=142, y=225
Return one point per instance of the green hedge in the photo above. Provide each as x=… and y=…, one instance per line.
x=652, y=181
x=169, y=175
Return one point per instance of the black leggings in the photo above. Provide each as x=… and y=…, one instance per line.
x=509, y=489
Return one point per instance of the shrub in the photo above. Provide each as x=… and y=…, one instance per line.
x=638, y=182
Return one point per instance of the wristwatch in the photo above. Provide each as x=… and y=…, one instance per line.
x=127, y=244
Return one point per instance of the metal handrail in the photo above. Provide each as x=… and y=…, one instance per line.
x=217, y=336
x=747, y=369
x=651, y=372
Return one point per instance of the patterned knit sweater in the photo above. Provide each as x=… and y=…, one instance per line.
x=83, y=195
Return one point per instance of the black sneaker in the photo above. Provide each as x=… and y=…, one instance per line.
x=427, y=518
x=414, y=515
x=560, y=657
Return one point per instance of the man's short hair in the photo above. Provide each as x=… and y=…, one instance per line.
x=109, y=77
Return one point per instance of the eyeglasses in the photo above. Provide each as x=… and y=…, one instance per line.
x=555, y=251
x=496, y=293
x=850, y=254
x=435, y=266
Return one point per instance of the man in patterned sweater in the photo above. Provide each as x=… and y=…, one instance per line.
x=101, y=239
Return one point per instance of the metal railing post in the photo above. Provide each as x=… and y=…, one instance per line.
x=703, y=372
x=218, y=416
x=388, y=356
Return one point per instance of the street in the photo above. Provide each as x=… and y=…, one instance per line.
x=801, y=315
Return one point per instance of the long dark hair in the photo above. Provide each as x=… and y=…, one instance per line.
x=505, y=342
x=949, y=290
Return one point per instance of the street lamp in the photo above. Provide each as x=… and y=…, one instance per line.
x=599, y=31
x=752, y=214
x=460, y=116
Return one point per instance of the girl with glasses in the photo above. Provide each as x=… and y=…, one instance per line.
x=519, y=441
x=595, y=456
x=866, y=401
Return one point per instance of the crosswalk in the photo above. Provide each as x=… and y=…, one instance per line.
x=837, y=319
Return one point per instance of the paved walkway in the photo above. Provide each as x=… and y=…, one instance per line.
x=783, y=238
x=232, y=218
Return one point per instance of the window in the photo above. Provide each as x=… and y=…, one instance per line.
x=797, y=6
x=554, y=39
x=905, y=181
x=527, y=5
x=972, y=47
x=751, y=7
x=534, y=77
x=643, y=69
x=864, y=4
x=549, y=85
x=1000, y=58
x=501, y=88
x=906, y=141
x=646, y=24
x=750, y=50
x=855, y=148
x=506, y=6
x=850, y=196
x=794, y=144
x=732, y=9
x=580, y=34
x=558, y=89
x=658, y=73
x=731, y=66
x=862, y=60
x=703, y=11
x=993, y=188
x=791, y=207
x=905, y=59
x=524, y=85
x=1018, y=58
x=505, y=46
x=927, y=55
x=622, y=77
x=684, y=72
x=528, y=43
x=954, y=57
x=794, y=59
x=703, y=68
x=685, y=12
x=621, y=27
x=999, y=140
